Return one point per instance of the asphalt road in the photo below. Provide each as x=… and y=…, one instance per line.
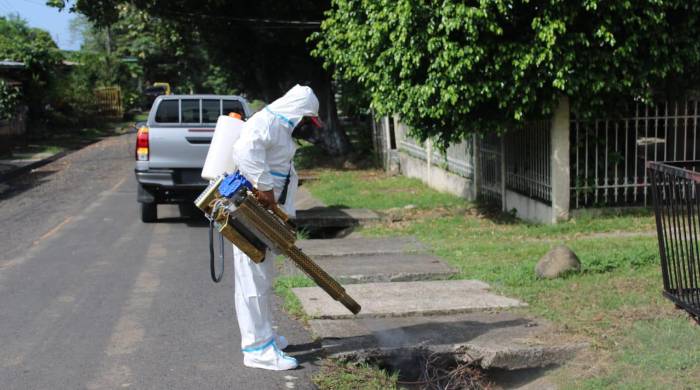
x=91, y=298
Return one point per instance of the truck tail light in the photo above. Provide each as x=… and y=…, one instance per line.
x=142, y=144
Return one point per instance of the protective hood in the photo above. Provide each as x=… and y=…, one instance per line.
x=298, y=102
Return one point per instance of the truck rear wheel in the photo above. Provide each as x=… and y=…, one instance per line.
x=149, y=212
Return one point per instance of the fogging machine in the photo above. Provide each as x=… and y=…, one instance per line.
x=230, y=204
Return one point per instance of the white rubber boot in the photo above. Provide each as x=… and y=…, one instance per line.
x=268, y=357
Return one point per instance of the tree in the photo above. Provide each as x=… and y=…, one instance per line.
x=258, y=47
x=453, y=68
x=37, y=50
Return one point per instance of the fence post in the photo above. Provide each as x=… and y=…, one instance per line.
x=428, y=161
x=560, y=168
x=375, y=139
x=387, y=142
x=476, y=164
x=504, y=206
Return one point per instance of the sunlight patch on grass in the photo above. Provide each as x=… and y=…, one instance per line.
x=375, y=190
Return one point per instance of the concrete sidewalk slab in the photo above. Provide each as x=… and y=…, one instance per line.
x=360, y=246
x=491, y=340
x=390, y=267
x=400, y=299
x=304, y=200
x=330, y=217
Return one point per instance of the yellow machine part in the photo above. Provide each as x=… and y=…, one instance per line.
x=231, y=234
x=276, y=228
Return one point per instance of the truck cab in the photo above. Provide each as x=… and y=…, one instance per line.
x=172, y=146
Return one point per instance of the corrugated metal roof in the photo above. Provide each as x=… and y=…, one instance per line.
x=7, y=64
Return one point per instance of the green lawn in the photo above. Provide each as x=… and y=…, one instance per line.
x=638, y=339
x=370, y=189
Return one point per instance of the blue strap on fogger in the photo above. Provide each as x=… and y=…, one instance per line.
x=233, y=183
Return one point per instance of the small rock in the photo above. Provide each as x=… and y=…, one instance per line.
x=409, y=206
x=557, y=262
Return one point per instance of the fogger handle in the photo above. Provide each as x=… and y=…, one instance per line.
x=280, y=214
x=274, y=208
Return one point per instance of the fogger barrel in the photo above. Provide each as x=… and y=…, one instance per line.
x=247, y=224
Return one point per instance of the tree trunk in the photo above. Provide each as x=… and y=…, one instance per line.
x=334, y=139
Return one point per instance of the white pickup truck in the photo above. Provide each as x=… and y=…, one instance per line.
x=172, y=146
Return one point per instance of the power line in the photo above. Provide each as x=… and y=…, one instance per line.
x=259, y=23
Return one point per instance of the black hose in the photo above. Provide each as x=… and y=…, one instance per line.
x=212, y=267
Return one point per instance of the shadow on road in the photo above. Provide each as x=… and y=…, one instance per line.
x=24, y=183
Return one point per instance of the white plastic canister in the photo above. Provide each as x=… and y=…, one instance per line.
x=220, y=155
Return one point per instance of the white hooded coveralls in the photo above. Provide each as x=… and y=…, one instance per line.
x=263, y=154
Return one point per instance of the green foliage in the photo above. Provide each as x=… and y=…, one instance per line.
x=210, y=45
x=9, y=99
x=72, y=95
x=103, y=12
x=354, y=100
x=33, y=46
x=453, y=68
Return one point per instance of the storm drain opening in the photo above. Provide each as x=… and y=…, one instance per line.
x=427, y=370
x=422, y=369
x=323, y=232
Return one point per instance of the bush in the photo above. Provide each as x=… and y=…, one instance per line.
x=454, y=68
x=9, y=99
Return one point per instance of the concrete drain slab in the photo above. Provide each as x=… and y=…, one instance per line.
x=491, y=340
x=391, y=267
x=330, y=217
x=304, y=200
x=360, y=246
x=401, y=299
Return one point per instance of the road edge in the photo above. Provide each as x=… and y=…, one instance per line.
x=12, y=173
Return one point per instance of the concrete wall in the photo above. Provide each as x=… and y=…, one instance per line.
x=436, y=177
x=528, y=209
x=417, y=161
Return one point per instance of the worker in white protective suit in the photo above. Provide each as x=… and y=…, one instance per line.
x=263, y=154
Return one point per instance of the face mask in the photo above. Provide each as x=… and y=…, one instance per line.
x=308, y=131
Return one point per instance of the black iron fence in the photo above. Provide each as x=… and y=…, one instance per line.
x=674, y=187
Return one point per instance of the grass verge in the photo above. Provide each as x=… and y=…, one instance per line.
x=341, y=375
x=638, y=339
x=283, y=288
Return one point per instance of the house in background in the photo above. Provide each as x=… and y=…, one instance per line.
x=13, y=129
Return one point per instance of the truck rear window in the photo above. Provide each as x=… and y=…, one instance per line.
x=168, y=112
x=210, y=110
x=190, y=110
